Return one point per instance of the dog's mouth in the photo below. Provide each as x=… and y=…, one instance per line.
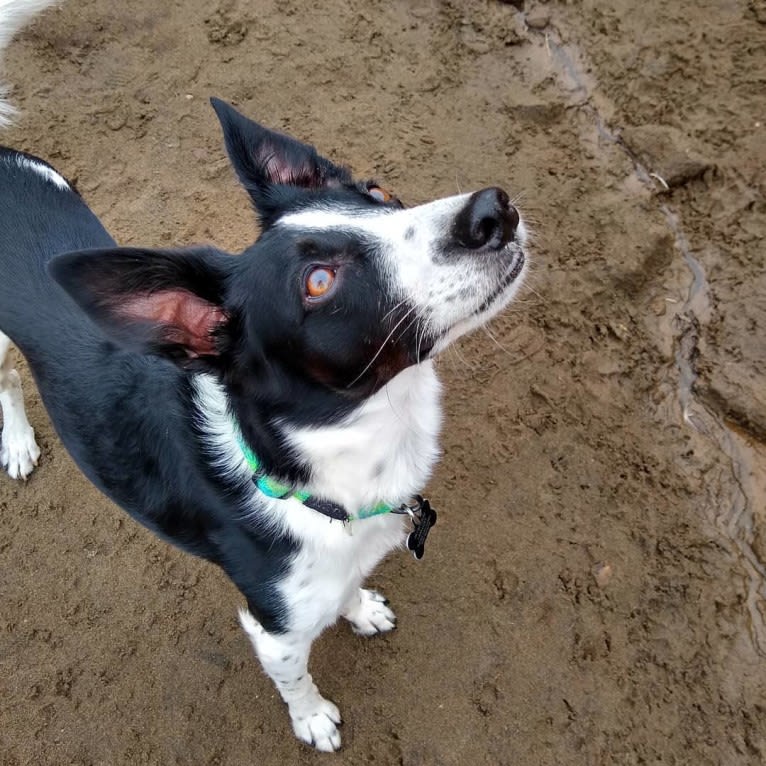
x=513, y=273
x=490, y=305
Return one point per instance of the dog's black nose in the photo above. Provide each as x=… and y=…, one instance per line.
x=488, y=220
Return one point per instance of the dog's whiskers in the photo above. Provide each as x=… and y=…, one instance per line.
x=391, y=311
x=454, y=350
x=407, y=328
x=382, y=346
x=495, y=341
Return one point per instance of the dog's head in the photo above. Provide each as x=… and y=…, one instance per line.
x=344, y=288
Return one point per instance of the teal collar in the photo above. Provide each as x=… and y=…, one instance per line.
x=273, y=488
x=422, y=515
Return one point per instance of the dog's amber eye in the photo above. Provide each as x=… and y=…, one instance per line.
x=380, y=194
x=319, y=281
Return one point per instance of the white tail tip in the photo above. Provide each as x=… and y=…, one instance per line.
x=15, y=14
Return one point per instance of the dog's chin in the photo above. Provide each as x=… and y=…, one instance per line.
x=507, y=287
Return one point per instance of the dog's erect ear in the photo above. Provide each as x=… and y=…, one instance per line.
x=163, y=302
x=264, y=158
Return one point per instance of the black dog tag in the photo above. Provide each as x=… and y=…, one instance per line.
x=423, y=518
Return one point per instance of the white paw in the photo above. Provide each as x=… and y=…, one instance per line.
x=315, y=722
x=19, y=451
x=370, y=615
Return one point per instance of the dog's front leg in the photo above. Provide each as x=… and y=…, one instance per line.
x=18, y=449
x=284, y=657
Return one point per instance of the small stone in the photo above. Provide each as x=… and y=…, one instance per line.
x=538, y=18
x=603, y=573
x=659, y=306
x=665, y=152
x=117, y=120
x=544, y=114
x=619, y=330
x=475, y=42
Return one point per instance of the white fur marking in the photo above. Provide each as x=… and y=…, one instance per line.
x=382, y=452
x=48, y=173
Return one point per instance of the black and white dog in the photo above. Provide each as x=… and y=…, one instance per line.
x=233, y=403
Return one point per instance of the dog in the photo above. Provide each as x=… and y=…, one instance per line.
x=273, y=412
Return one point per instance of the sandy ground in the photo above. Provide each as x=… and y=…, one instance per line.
x=595, y=591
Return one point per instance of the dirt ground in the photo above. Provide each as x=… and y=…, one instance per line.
x=595, y=591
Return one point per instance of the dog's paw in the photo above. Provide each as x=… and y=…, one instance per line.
x=315, y=721
x=370, y=614
x=19, y=452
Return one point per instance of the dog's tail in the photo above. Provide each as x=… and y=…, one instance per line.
x=14, y=14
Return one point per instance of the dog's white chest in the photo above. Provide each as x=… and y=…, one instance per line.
x=383, y=452
x=327, y=572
